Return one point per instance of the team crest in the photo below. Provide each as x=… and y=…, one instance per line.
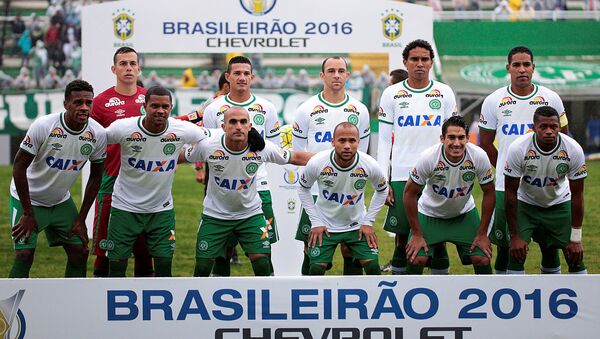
x=259, y=119
x=169, y=149
x=258, y=7
x=86, y=149
x=251, y=168
x=123, y=24
x=391, y=25
x=360, y=184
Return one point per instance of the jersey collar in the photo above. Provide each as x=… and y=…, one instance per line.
x=346, y=99
x=559, y=141
x=141, y=126
x=343, y=169
x=240, y=104
x=535, y=90
x=230, y=151
x=453, y=164
x=64, y=124
x=414, y=90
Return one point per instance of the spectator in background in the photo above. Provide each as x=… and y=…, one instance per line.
x=170, y=81
x=187, y=79
x=153, y=80
x=527, y=12
x=24, y=45
x=68, y=77
x=270, y=81
x=303, y=82
x=368, y=75
x=460, y=5
x=17, y=28
x=54, y=45
x=37, y=33
x=40, y=61
x=5, y=80
x=356, y=82
x=51, y=80
x=289, y=80
x=24, y=81
x=205, y=82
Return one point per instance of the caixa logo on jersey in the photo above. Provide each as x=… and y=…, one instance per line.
x=65, y=164
x=258, y=7
x=152, y=166
x=419, y=120
x=12, y=319
x=516, y=129
x=342, y=198
x=452, y=193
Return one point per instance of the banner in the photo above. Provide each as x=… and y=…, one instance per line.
x=390, y=307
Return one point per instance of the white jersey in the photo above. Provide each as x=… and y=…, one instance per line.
x=231, y=192
x=59, y=155
x=148, y=162
x=340, y=203
x=316, y=119
x=511, y=116
x=544, y=174
x=415, y=117
x=263, y=117
x=448, y=185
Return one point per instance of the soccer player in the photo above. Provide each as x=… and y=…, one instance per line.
x=540, y=203
x=142, y=200
x=339, y=212
x=313, y=127
x=446, y=211
x=123, y=100
x=508, y=113
x=232, y=205
x=413, y=110
x=49, y=160
x=264, y=119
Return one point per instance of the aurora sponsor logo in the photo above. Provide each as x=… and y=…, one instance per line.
x=251, y=156
x=223, y=109
x=359, y=173
x=58, y=132
x=561, y=155
x=218, y=155
x=531, y=155
x=351, y=109
x=441, y=166
x=435, y=93
x=136, y=137
x=328, y=172
x=538, y=101
x=467, y=165
x=171, y=137
x=402, y=94
x=318, y=110
x=506, y=101
x=258, y=108
x=88, y=136
x=114, y=101
x=27, y=142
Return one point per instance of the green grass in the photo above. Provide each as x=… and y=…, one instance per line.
x=49, y=262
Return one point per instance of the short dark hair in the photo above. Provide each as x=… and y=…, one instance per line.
x=240, y=59
x=417, y=43
x=124, y=50
x=158, y=90
x=222, y=81
x=519, y=49
x=545, y=111
x=457, y=121
x=345, y=124
x=398, y=75
x=337, y=57
x=76, y=86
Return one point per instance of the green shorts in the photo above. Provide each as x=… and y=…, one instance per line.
x=460, y=231
x=550, y=226
x=499, y=234
x=213, y=234
x=267, y=208
x=56, y=221
x=359, y=248
x=396, y=220
x=304, y=225
x=125, y=227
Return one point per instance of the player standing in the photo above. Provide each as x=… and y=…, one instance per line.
x=508, y=113
x=540, y=203
x=48, y=162
x=339, y=212
x=446, y=211
x=413, y=110
x=313, y=127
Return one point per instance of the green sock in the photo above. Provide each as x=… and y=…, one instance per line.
x=414, y=269
x=550, y=257
x=577, y=268
x=76, y=268
x=483, y=269
x=203, y=267
x=316, y=269
x=262, y=267
x=501, y=263
x=515, y=266
x=350, y=268
x=117, y=268
x=142, y=266
x=163, y=266
x=399, y=260
x=440, y=260
x=372, y=267
x=20, y=269
x=222, y=267
x=306, y=265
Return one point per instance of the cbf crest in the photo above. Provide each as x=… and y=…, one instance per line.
x=123, y=23
x=391, y=24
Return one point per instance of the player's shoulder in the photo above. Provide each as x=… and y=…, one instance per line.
x=107, y=93
x=262, y=101
x=215, y=104
x=49, y=119
x=359, y=104
x=545, y=91
x=393, y=89
x=440, y=86
x=368, y=160
x=432, y=151
x=125, y=123
x=308, y=104
x=523, y=141
x=570, y=143
x=475, y=151
x=95, y=126
x=321, y=158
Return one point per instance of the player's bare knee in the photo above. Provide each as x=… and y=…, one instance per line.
x=421, y=260
x=76, y=252
x=478, y=260
x=256, y=256
x=25, y=255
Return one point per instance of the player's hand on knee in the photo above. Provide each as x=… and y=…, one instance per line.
x=316, y=235
x=483, y=242
x=369, y=234
x=413, y=247
x=79, y=229
x=518, y=248
x=575, y=252
x=389, y=201
x=24, y=227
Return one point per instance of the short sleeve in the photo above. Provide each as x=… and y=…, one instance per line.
x=35, y=137
x=487, y=118
x=99, y=153
x=309, y=174
x=514, y=161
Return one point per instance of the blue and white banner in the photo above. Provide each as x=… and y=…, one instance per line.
x=308, y=307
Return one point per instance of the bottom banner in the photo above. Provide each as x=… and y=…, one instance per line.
x=303, y=307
